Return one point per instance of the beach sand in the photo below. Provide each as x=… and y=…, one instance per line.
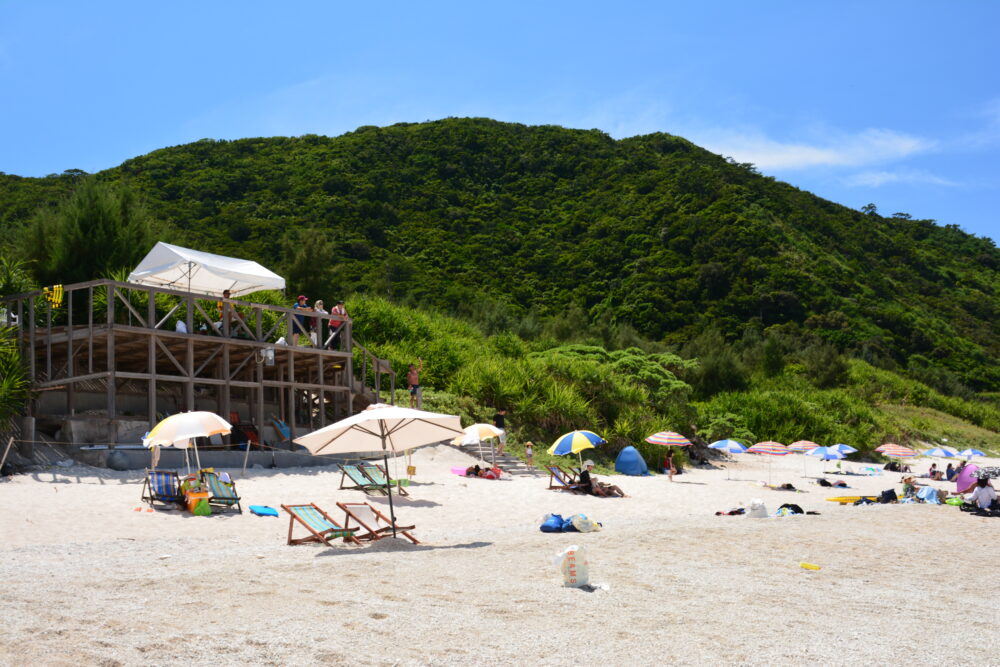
x=88, y=580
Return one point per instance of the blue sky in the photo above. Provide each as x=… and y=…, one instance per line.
x=895, y=103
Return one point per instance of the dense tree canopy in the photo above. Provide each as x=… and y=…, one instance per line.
x=510, y=225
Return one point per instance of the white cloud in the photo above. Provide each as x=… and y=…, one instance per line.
x=874, y=179
x=871, y=146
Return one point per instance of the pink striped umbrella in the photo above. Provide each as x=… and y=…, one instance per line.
x=898, y=452
x=802, y=446
x=881, y=448
x=769, y=447
x=668, y=439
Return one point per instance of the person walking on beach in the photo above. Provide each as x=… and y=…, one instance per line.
x=499, y=420
x=668, y=465
x=413, y=381
x=529, y=454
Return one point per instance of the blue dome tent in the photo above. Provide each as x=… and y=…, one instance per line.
x=629, y=462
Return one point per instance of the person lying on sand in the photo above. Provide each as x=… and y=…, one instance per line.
x=595, y=488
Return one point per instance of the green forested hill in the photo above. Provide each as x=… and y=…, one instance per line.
x=511, y=225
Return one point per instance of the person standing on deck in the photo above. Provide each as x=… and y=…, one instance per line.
x=413, y=381
x=336, y=343
x=301, y=323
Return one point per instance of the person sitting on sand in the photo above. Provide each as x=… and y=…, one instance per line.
x=595, y=488
x=949, y=473
x=909, y=487
x=983, y=495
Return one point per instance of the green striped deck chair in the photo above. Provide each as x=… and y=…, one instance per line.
x=377, y=474
x=162, y=486
x=360, y=481
x=373, y=523
x=221, y=494
x=318, y=523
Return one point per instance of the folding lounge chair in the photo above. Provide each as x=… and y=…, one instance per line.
x=221, y=494
x=317, y=522
x=162, y=486
x=378, y=475
x=361, y=481
x=376, y=524
x=562, y=480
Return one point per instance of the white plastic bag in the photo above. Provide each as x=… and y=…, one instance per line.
x=574, y=566
x=757, y=509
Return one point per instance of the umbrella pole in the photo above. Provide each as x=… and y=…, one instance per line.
x=246, y=456
x=388, y=488
x=197, y=457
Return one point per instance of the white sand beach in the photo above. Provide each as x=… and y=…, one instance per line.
x=86, y=579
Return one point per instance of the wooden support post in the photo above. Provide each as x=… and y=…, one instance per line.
x=189, y=356
x=151, y=359
x=224, y=389
x=322, y=395
x=112, y=394
x=291, y=391
x=70, y=361
x=31, y=338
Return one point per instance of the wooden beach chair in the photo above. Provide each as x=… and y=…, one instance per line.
x=318, y=523
x=375, y=524
x=562, y=480
x=162, y=486
x=221, y=494
x=377, y=474
x=359, y=481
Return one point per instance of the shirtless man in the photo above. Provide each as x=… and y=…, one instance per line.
x=413, y=380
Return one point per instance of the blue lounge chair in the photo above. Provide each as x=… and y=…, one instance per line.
x=162, y=486
x=221, y=494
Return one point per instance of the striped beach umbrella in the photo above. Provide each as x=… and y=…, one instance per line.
x=827, y=453
x=575, y=442
x=940, y=451
x=802, y=446
x=728, y=446
x=769, y=447
x=969, y=453
x=881, y=448
x=668, y=439
x=897, y=452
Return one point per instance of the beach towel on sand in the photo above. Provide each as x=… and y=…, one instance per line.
x=263, y=510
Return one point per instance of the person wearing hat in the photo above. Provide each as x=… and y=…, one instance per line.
x=595, y=488
x=302, y=323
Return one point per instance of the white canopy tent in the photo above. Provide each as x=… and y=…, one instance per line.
x=202, y=272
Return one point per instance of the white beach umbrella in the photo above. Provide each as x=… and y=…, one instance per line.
x=181, y=429
x=386, y=428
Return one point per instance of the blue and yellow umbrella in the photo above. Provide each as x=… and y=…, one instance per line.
x=575, y=442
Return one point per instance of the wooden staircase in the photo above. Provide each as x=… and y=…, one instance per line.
x=484, y=451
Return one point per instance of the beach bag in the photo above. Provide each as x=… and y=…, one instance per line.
x=553, y=523
x=585, y=525
x=574, y=566
x=567, y=526
x=888, y=496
